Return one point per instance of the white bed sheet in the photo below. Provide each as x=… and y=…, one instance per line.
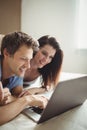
x=75, y=119
x=66, y=76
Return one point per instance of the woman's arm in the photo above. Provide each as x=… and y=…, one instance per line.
x=34, y=90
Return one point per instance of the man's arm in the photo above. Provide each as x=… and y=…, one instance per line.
x=11, y=110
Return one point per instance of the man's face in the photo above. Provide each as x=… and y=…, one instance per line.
x=20, y=61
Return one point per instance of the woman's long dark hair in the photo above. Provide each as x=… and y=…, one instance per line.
x=50, y=71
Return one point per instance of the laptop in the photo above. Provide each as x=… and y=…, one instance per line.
x=67, y=95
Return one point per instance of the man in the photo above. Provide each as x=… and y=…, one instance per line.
x=16, y=52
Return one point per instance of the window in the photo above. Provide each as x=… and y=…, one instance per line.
x=82, y=25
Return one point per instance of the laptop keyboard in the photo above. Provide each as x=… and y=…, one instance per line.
x=37, y=110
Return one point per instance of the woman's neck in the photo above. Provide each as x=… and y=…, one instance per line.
x=33, y=65
x=31, y=74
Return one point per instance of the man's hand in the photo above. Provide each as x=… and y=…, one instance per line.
x=4, y=95
x=37, y=100
x=1, y=92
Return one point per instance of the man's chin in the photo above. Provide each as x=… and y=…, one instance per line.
x=41, y=66
x=21, y=75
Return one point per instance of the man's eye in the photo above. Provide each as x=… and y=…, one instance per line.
x=23, y=59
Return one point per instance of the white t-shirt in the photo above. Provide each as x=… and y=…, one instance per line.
x=35, y=83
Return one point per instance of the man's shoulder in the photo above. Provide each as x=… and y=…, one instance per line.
x=15, y=81
x=16, y=78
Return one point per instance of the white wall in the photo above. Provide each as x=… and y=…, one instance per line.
x=58, y=18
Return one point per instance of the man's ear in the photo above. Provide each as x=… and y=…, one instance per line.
x=5, y=53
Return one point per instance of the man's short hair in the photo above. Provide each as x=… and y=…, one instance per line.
x=13, y=41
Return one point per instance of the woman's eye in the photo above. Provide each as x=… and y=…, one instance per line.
x=51, y=57
x=44, y=53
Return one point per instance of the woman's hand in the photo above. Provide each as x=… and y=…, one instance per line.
x=39, y=90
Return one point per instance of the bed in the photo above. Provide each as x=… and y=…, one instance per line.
x=74, y=119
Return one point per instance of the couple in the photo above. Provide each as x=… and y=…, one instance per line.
x=17, y=51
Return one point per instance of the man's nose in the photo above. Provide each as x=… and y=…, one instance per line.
x=27, y=64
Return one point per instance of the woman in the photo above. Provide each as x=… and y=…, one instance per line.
x=47, y=63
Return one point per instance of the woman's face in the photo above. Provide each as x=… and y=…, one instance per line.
x=44, y=56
